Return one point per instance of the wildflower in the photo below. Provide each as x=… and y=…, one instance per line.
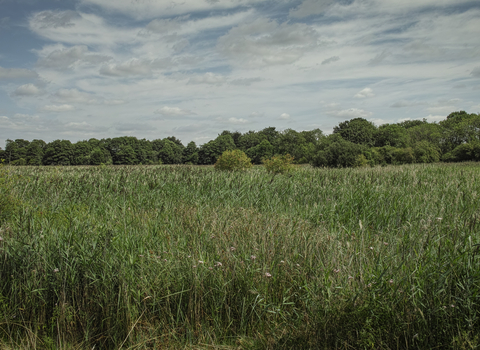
x=194, y=266
x=350, y=277
x=189, y=256
x=267, y=274
x=439, y=219
x=391, y=281
x=232, y=249
x=1, y=239
x=298, y=265
x=444, y=307
x=452, y=305
x=200, y=261
x=56, y=270
x=385, y=243
x=253, y=257
x=210, y=268
x=140, y=255
x=371, y=248
x=165, y=260
x=336, y=270
x=369, y=285
x=282, y=262
x=218, y=264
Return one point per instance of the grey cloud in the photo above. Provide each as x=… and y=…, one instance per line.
x=365, y=93
x=16, y=73
x=55, y=19
x=475, y=72
x=379, y=58
x=265, y=42
x=28, y=90
x=404, y=103
x=310, y=8
x=331, y=60
x=65, y=58
x=245, y=81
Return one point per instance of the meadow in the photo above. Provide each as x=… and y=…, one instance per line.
x=167, y=257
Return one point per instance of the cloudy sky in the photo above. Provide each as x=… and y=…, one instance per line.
x=77, y=69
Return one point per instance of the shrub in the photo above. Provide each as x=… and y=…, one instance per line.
x=233, y=160
x=279, y=164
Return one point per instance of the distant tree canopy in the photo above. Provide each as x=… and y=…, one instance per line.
x=356, y=142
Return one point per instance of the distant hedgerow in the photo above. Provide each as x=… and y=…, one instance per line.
x=233, y=160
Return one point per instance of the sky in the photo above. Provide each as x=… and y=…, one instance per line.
x=81, y=69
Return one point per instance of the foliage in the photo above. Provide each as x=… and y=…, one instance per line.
x=233, y=160
x=210, y=151
x=357, y=130
x=187, y=257
x=263, y=150
x=334, y=151
x=279, y=164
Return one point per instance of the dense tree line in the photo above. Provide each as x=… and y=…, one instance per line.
x=356, y=142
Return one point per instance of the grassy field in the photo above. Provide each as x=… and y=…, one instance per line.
x=166, y=257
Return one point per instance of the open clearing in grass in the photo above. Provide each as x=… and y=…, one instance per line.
x=177, y=256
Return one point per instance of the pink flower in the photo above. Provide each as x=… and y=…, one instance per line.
x=336, y=270
x=391, y=281
x=218, y=264
x=371, y=248
x=200, y=261
x=253, y=257
x=56, y=270
x=267, y=274
x=232, y=249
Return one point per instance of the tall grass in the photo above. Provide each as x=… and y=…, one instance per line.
x=151, y=257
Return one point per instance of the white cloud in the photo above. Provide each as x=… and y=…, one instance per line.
x=135, y=67
x=16, y=73
x=435, y=118
x=237, y=121
x=28, y=90
x=75, y=96
x=310, y=8
x=151, y=9
x=208, y=78
x=173, y=111
x=57, y=108
x=265, y=42
x=285, y=116
x=256, y=115
x=350, y=113
x=67, y=57
x=365, y=93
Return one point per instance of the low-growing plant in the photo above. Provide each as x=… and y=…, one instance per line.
x=279, y=164
x=233, y=160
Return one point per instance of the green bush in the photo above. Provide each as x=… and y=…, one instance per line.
x=279, y=164
x=233, y=160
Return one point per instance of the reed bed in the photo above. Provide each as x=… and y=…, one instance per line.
x=164, y=257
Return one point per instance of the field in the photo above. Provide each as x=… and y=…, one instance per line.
x=166, y=257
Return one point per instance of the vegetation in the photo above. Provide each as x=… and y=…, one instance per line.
x=353, y=143
x=233, y=160
x=152, y=257
x=279, y=164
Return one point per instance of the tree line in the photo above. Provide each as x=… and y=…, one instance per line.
x=356, y=142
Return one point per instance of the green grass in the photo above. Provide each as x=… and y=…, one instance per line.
x=127, y=257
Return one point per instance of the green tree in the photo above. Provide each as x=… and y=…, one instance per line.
x=210, y=151
x=391, y=135
x=358, y=130
x=35, y=152
x=263, y=150
x=190, y=154
x=334, y=151
x=171, y=152
x=233, y=160
x=81, y=153
x=279, y=164
x=58, y=152
x=125, y=155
